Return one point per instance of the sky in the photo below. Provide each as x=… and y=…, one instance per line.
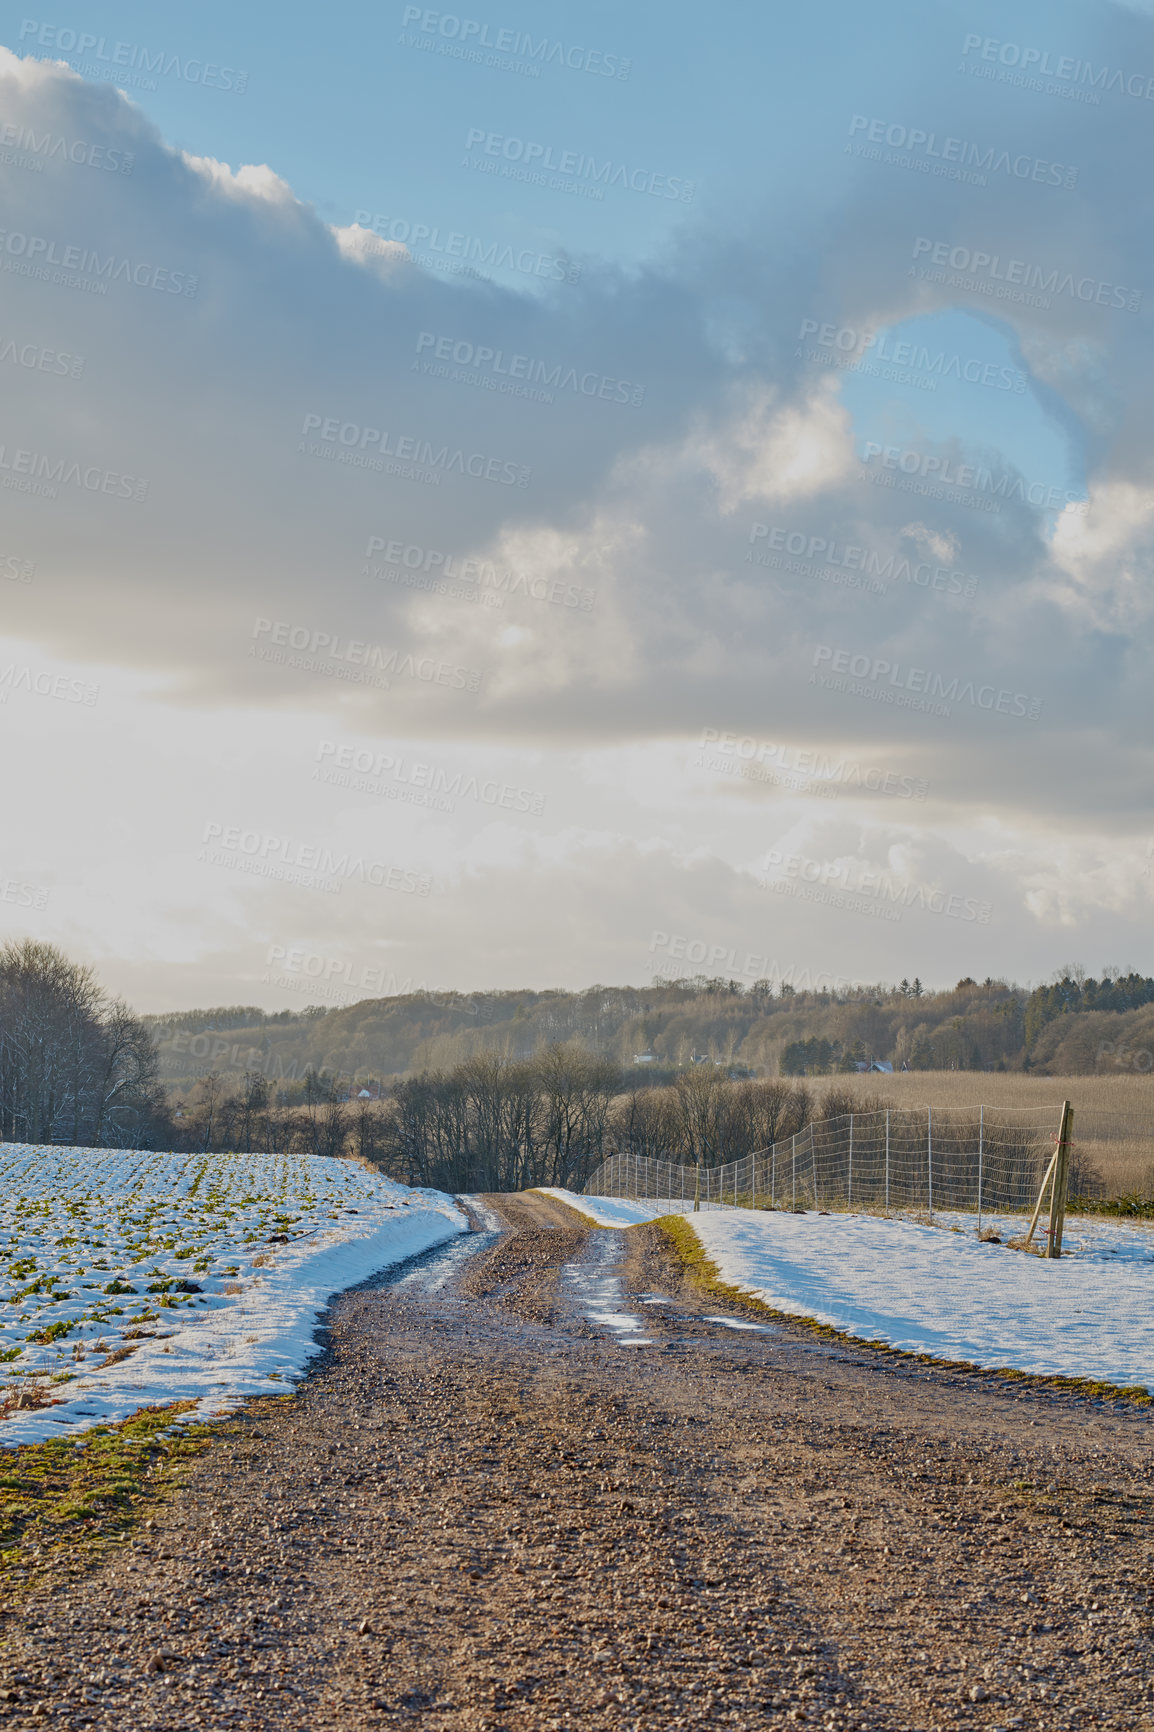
x=551, y=495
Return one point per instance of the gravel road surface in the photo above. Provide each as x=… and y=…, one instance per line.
x=537, y=1481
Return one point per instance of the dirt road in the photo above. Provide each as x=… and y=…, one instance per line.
x=535, y=1482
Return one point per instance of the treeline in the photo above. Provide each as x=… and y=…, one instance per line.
x=489, y=1124
x=496, y=1124
x=75, y=1065
x=1077, y=995
x=515, y=1088
x=747, y=1028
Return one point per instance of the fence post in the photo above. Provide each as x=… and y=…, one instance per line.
x=813, y=1158
x=887, y=1160
x=773, y=1176
x=930, y=1156
x=697, y=1190
x=1061, y=1184
x=981, y=1156
x=850, y=1197
x=795, y=1169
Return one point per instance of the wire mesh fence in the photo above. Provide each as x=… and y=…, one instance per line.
x=900, y=1159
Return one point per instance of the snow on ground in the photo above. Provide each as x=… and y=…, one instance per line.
x=201, y=1276
x=943, y=1293
x=1095, y=1236
x=624, y=1211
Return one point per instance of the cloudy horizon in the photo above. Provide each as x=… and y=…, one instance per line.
x=554, y=498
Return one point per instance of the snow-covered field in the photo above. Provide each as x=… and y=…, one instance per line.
x=129, y=1278
x=930, y=1290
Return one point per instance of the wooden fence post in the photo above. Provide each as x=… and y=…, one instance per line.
x=1061, y=1184
x=697, y=1189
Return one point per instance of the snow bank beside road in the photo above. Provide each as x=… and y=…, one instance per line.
x=622, y=1211
x=941, y=1293
x=203, y=1275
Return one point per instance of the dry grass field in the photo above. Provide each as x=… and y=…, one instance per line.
x=1113, y=1115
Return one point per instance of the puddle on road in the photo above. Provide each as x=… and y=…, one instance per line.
x=595, y=1287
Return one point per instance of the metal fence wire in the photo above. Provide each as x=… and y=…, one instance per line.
x=907, y=1159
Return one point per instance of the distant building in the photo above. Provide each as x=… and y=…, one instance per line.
x=645, y=1057
x=883, y=1064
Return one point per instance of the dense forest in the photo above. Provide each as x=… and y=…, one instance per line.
x=654, y=1032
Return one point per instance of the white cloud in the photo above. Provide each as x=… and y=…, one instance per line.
x=284, y=333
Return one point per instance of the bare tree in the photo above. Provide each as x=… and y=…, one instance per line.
x=575, y=1091
x=75, y=1066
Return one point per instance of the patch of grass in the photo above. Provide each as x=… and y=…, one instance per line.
x=705, y=1274
x=51, y=1332
x=63, y=1499
x=1130, y=1206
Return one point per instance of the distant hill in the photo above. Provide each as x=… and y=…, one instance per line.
x=1068, y=1027
x=758, y=1031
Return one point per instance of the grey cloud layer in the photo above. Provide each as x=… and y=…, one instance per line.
x=254, y=401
